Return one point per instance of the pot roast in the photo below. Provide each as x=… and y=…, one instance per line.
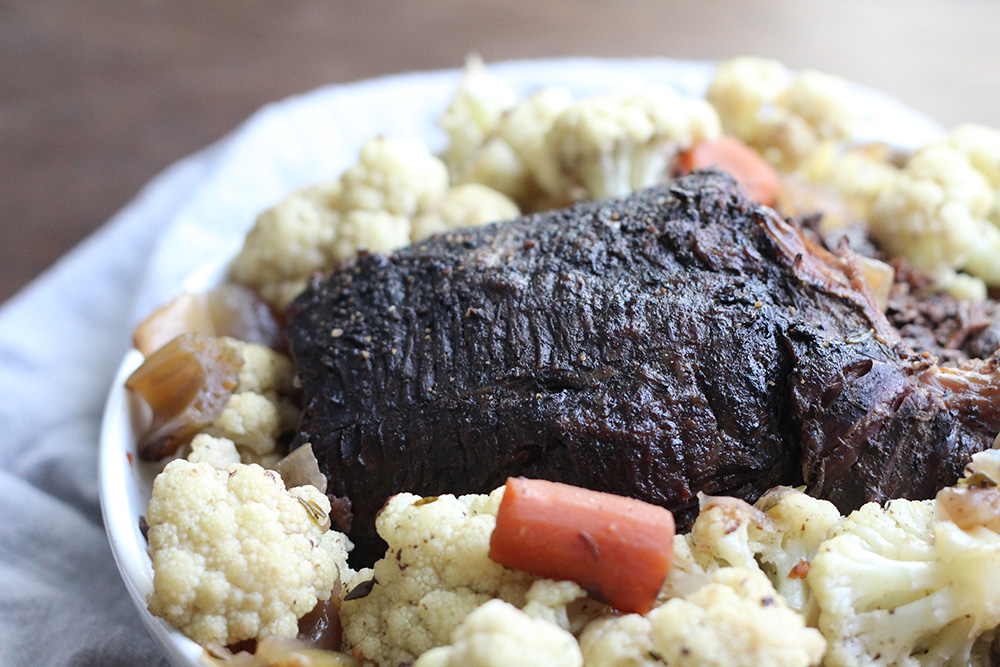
x=678, y=341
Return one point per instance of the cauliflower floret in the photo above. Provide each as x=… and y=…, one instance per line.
x=939, y=213
x=270, y=374
x=474, y=112
x=897, y=587
x=981, y=146
x=251, y=421
x=217, y=452
x=859, y=175
x=236, y=555
x=611, y=145
x=794, y=120
x=975, y=500
x=513, y=158
x=289, y=242
x=436, y=571
x=465, y=205
x=547, y=150
x=368, y=207
x=265, y=371
x=736, y=619
x=779, y=536
x=399, y=177
x=563, y=603
x=799, y=523
x=741, y=87
x=498, y=634
x=259, y=410
x=371, y=207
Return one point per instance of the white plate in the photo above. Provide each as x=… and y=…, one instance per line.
x=295, y=139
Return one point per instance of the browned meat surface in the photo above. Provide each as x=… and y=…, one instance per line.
x=951, y=329
x=679, y=341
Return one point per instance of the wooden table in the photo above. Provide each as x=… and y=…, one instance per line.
x=97, y=97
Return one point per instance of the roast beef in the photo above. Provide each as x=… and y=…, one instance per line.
x=954, y=330
x=678, y=341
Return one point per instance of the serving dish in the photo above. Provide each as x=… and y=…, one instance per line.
x=288, y=153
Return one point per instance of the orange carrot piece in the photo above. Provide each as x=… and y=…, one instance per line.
x=618, y=549
x=754, y=174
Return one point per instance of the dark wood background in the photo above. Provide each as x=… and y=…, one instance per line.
x=97, y=97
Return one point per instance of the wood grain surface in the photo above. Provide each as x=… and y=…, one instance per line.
x=97, y=97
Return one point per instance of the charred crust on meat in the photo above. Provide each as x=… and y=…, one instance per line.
x=677, y=341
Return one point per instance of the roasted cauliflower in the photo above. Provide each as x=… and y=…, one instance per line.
x=370, y=207
x=735, y=619
x=260, y=408
x=498, y=634
x=906, y=585
x=942, y=210
x=548, y=150
x=795, y=120
x=779, y=536
x=236, y=555
x=436, y=571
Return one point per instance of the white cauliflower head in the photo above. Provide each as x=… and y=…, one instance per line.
x=547, y=150
x=465, y=205
x=941, y=211
x=260, y=408
x=436, y=571
x=859, y=175
x=513, y=158
x=217, y=452
x=779, y=536
x=563, y=603
x=795, y=120
x=474, y=112
x=611, y=145
x=236, y=555
x=289, y=242
x=498, y=634
x=736, y=619
x=897, y=587
x=251, y=421
x=397, y=176
x=373, y=207
x=975, y=500
x=741, y=88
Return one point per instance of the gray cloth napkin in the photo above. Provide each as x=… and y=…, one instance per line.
x=62, y=601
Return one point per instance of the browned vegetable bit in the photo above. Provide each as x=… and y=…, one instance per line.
x=227, y=310
x=186, y=384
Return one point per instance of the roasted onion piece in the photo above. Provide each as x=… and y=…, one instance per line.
x=186, y=384
x=278, y=652
x=975, y=500
x=301, y=467
x=228, y=310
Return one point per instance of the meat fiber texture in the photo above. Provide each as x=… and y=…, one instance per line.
x=681, y=340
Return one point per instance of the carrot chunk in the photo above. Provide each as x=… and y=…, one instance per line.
x=618, y=549
x=757, y=178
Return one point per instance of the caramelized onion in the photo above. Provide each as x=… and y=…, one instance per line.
x=228, y=310
x=301, y=467
x=278, y=652
x=186, y=384
x=970, y=507
x=320, y=628
x=880, y=276
x=975, y=500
